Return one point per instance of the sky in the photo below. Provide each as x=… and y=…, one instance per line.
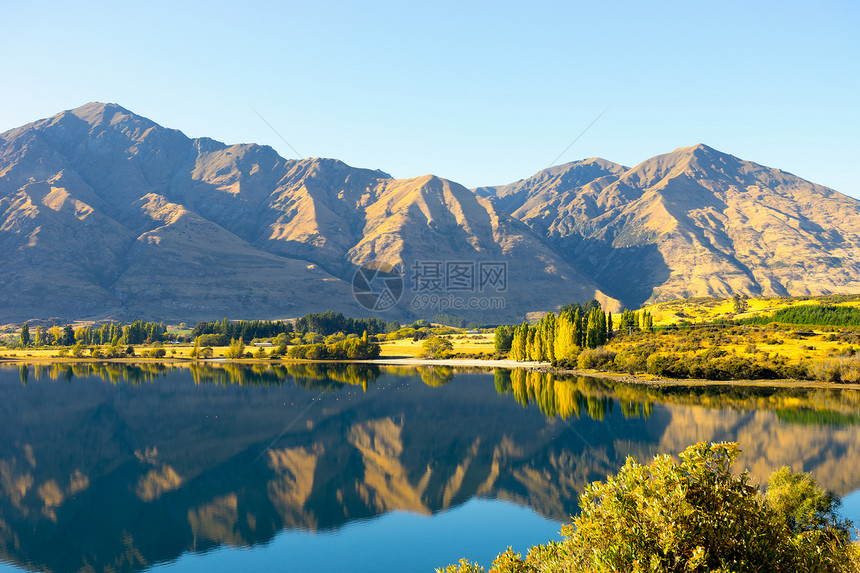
x=483, y=93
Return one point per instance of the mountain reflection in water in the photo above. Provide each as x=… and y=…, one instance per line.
x=118, y=466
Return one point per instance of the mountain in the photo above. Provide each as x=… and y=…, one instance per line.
x=694, y=222
x=104, y=213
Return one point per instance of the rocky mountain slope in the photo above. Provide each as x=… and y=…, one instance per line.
x=104, y=213
x=694, y=222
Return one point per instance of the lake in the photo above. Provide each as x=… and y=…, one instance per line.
x=345, y=467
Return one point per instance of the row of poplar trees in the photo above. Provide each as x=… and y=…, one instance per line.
x=561, y=337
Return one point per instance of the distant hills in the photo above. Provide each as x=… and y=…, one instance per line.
x=104, y=213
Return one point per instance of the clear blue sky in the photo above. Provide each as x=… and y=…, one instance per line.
x=481, y=93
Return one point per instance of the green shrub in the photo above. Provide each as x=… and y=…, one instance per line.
x=835, y=370
x=212, y=340
x=592, y=358
x=694, y=515
x=630, y=362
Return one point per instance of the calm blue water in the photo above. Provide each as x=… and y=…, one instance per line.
x=302, y=468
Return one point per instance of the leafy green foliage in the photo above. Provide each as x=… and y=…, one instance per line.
x=246, y=330
x=693, y=515
x=236, y=349
x=330, y=322
x=802, y=505
x=355, y=348
x=561, y=337
x=436, y=347
x=212, y=340
x=503, y=338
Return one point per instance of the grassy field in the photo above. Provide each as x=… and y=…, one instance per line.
x=469, y=344
x=711, y=309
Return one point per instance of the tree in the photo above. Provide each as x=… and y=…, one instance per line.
x=592, y=330
x=740, y=304
x=547, y=330
x=503, y=338
x=532, y=344
x=436, y=347
x=68, y=337
x=565, y=340
x=236, y=348
x=25, y=334
x=520, y=342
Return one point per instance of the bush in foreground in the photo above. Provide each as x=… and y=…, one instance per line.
x=693, y=516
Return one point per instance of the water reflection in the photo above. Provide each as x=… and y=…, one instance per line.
x=313, y=376
x=119, y=466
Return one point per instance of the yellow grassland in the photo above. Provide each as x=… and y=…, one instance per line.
x=463, y=344
x=710, y=309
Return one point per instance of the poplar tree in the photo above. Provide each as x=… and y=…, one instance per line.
x=548, y=336
x=578, y=332
x=519, y=342
x=565, y=342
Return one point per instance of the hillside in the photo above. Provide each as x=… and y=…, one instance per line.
x=106, y=214
x=691, y=223
x=114, y=215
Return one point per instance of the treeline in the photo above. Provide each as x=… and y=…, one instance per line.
x=353, y=348
x=453, y=320
x=109, y=333
x=245, y=330
x=811, y=314
x=556, y=338
x=138, y=332
x=330, y=322
x=563, y=337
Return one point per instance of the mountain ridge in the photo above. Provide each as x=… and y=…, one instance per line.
x=276, y=237
x=117, y=216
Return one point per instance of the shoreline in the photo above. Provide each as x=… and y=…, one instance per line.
x=407, y=361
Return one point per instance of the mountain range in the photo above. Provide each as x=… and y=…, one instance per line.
x=106, y=214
